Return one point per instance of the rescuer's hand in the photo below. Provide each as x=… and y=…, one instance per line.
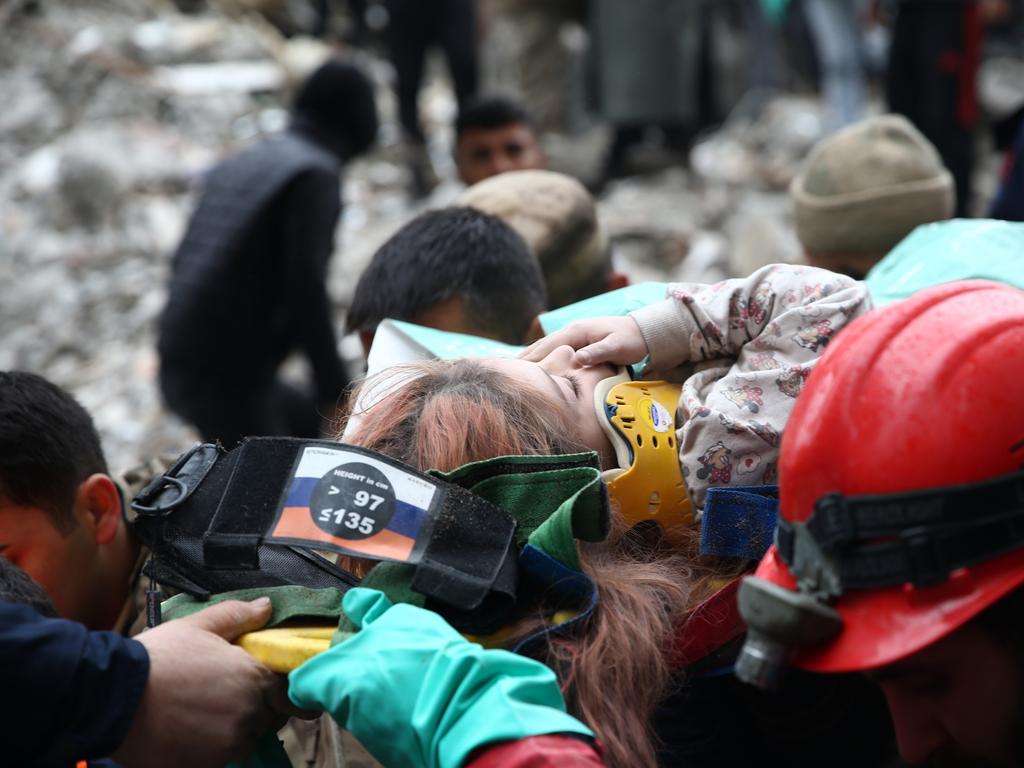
x=207, y=702
x=615, y=340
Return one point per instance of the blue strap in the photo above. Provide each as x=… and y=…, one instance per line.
x=543, y=574
x=739, y=521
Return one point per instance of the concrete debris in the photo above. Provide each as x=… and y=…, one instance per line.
x=218, y=78
x=115, y=108
x=30, y=110
x=761, y=150
x=170, y=40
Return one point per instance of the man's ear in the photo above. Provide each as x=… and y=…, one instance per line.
x=98, y=504
x=534, y=332
x=366, y=338
x=616, y=280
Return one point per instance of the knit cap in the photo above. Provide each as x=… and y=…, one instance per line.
x=336, y=104
x=864, y=188
x=555, y=215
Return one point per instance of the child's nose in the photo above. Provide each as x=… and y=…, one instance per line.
x=560, y=359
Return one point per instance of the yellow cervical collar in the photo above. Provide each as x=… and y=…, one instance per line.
x=639, y=419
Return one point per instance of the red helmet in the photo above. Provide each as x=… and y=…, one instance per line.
x=901, y=496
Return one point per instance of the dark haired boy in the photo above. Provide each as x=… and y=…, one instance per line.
x=61, y=515
x=495, y=134
x=456, y=269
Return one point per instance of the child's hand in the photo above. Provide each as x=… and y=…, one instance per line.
x=615, y=340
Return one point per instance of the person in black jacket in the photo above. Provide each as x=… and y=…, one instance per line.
x=73, y=695
x=248, y=280
x=931, y=79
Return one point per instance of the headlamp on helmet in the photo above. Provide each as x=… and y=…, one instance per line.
x=849, y=543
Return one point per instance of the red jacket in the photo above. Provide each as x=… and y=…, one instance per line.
x=550, y=751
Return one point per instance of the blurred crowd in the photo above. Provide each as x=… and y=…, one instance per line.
x=490, y=393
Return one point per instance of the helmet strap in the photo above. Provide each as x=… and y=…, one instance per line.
x=918, y=538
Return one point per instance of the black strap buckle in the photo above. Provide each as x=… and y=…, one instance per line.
x=165, y=493
x=832, y=524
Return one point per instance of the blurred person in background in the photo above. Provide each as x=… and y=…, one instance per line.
x=932, y=76
x=455, y=269
x=248, y=282
x=835, y=26
x=556, y=216
x=414, y=26
x=865, y=188
x=648, y=68
x=1009, y=200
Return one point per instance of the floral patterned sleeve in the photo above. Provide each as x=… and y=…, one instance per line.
x=746, y=346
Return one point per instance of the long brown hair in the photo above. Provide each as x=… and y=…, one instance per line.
x=445, y=414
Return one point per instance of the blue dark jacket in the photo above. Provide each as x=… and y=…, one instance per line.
x=1009, y=200
x=68, y=694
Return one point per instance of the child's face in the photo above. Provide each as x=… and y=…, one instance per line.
x=564, y=381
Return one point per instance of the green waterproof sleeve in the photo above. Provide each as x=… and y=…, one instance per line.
x=416, y=693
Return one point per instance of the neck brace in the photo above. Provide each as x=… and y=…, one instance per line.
x=639, y=419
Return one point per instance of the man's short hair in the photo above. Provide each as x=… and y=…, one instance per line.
x=490, y=112
x=48, y=445
x=453, y=252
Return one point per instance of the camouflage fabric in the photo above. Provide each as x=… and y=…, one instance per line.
x=321, y=743
x=132, y=619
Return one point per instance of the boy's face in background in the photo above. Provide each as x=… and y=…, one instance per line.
x=485, y=152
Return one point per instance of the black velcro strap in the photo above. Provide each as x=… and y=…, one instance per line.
x=463, y=551
x=471, y=552
x=841, y=520
x=784, y=540
x=261, y=467
x=926, y=556
x=916, y=538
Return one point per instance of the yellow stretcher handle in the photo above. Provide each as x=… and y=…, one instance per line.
x=282, y=649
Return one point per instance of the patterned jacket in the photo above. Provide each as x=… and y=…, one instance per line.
x=743, y=349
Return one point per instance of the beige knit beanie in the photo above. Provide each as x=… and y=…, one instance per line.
x=555, y=215
x=864, y=188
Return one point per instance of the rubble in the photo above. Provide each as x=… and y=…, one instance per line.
x=115, y=108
